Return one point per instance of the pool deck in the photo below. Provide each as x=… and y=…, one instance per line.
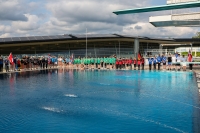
x=197, y=74
x=196, y=70
x=196, y=119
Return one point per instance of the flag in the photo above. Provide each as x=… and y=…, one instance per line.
x=10, y=58
x=189, y=56
x=139, y=56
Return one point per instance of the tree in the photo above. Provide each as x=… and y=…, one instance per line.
x=197, y=35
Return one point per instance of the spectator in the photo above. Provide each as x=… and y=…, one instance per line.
x=169, y=59
x=184, y=65
x=159, y=60
x=6, y=65
x=1, y=64
x=150, y=60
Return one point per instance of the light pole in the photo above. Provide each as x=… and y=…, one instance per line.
x=86, y=43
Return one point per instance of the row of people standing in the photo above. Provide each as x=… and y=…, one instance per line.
x=174, y=62
x=156, y=61
x=28, y=63
x=103, y=62
x=123, y=63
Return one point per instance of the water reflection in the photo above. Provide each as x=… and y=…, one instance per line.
x=28, y=74
x=11, y=83
x=149, y=97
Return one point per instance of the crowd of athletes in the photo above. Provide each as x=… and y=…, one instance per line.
x=169, y=62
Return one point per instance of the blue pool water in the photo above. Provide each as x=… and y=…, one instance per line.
x=99, y=102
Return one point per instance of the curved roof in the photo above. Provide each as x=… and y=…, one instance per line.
x=68, y=37
x=72, y=38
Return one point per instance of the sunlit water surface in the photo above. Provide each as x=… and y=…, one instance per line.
x=99, y=102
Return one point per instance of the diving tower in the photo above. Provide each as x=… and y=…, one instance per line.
x=189, y=19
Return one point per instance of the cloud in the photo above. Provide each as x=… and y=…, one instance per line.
x=5, y=35
x=50, y=17
x=31, y=24
x=150, y=31
x=78, y=11
x=137, y=27
x=12, y=10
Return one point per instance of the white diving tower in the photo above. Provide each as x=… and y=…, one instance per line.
x=189, y=19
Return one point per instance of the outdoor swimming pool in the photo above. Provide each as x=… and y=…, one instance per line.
x=99, y=101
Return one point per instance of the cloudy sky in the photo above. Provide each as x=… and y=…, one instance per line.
x=55, y=17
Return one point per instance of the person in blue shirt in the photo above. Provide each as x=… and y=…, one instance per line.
x=15, y=62
x=176, y=54
x=55, y=61
x=67, y=61
x=150, y=60
x=1, y=64
x=6, y=61
x=52, y=61
x=154, y=62
x=164, y=60
x=159, y=60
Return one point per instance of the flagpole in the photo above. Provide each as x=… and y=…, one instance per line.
x=86, y=43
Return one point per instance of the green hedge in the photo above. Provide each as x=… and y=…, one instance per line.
x=193, y=54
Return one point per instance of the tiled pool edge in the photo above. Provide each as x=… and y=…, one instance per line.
x=196, y=121
x=197, y=74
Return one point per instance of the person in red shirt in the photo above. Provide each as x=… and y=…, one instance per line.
x=139, y=63
x=127, y=63
x=134, y=62
x=130, y=61
x=142, y=62
x=117, y=63
x=120, y=63
x=18, y=64
x=123, y=63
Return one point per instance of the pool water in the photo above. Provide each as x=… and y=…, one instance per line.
x=99, y=102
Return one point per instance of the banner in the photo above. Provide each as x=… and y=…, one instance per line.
x=139, y=56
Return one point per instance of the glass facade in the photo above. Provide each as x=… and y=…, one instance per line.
x=94, y=49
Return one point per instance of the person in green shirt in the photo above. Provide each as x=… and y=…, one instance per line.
x=85, y=61
x=110, y=62
x=114, y=62
x=75, y=61
x=82, y=60
x=105, y=62
x=92, y=62
x=101, y=62
x=89, y=62
x=95, y=62
x=79, y=61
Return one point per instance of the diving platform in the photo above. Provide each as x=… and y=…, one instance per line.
x=180, y=1
x=159, y=8
x=177, y=20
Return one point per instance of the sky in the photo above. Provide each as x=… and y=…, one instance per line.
x=57, y=17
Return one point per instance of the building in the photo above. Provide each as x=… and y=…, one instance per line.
x=94, y=45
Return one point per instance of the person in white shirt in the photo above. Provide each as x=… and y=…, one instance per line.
x=173, y=61
x=178, y=61
x=183, y=63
